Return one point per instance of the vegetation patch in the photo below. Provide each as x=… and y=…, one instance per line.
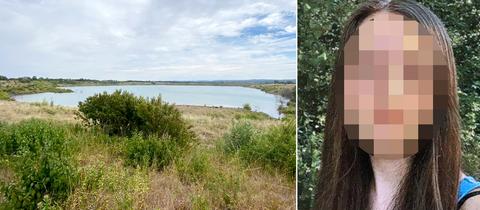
x=195, y=167
x=4, y=95
x=44, y=171
x=121, y=113
x=285, y=90
x=150, y=151
x=272, y=149
x=29, y=86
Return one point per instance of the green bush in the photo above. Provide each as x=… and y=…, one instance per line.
x=247, y=107
x=241, y=134
x=150, y=151
x=42, y=163
x=273, y=148
x=123, y=114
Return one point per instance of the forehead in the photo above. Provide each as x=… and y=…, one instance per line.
x=389, y=35
x=386, y=16
x=391, y=31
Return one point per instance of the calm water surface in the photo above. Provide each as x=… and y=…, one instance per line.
x=226, y=96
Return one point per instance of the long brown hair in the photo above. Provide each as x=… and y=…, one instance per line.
x=431, y=182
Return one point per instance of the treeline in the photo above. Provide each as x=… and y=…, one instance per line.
x=84, y=81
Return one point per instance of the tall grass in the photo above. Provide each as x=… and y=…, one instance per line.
x=4, y=96
x=42, y=162
x=150, y=151
x=272, y=149
x=223, y=185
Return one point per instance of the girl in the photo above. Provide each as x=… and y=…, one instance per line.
x=392, y=127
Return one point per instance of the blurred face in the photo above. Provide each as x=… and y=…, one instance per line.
x=389, y=77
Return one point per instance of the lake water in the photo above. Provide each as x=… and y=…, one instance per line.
x=226, y=96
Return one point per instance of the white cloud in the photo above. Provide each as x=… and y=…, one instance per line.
x=151, y=40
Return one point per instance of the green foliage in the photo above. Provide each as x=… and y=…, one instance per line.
x=200, y=203
x=121, y=113
x=226, y=188
x=251, y=116
x=28, y=86
x=247, y=107
x=461, y=20
x=115, y=113
x=241, y=134
x=289, y=110
x=285, y=90
x=194, y=167
x=42, y=163
x=273, y=149
x=200, y=167
x=319, y=29
x=150, y=151
x=4, y=96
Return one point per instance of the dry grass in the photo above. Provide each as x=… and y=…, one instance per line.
x=12, y=111
x=107, y=184
x=209, y=123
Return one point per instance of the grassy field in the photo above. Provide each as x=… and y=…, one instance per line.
x=203, y=178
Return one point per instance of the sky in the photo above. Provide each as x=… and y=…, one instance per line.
x=148, y=39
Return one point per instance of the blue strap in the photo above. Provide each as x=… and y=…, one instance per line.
x=467, y=185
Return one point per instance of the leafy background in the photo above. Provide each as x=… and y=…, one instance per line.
x=320, y=24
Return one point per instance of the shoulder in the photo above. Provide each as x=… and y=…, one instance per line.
x=472, y=203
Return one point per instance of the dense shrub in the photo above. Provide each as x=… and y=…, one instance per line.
x=42, y=163
x=247, y=107
x=121, y=113
x=273, y=148
x=150, y=151
x=241, y=134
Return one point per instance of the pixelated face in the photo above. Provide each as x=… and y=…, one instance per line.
x=389, y=66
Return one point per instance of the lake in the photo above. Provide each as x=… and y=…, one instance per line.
x=225, y=96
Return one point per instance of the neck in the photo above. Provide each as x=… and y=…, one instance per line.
x=388, y=175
